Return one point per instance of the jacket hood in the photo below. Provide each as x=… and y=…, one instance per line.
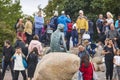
x=35, y=42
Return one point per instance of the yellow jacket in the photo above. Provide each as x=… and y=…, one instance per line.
x=82, y=23
x=28, y=27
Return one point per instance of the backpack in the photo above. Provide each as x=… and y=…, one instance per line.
x=54, y=23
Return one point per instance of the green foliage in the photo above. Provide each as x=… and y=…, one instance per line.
x=91, y=8
x=10, y=12
x=54, y=5
x=6, y=33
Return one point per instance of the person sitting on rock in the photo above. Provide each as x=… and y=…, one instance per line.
x=82, y=51
x=57, y=43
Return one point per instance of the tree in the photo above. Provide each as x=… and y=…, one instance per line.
x=91, y=8
x=9, y=11
x=6, y=33
x=113, y=6
x=54, y=5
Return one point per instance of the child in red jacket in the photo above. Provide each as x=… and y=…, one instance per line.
x=86, y=68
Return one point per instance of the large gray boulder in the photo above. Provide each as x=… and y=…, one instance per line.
x=57, y=66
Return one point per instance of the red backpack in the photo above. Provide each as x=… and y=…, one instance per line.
x=69, y=25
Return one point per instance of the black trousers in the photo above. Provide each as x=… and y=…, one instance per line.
x=68, y=35
x=16, y=74
x=0, y=75
x=5, y=67
x=109, y=69
x=29, y=38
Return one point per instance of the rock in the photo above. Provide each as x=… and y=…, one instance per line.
x=101, y=67
x=75, y=77
x=57, y=66
x=98, y=51
x=46, y=50
x=74, y=50
x=96, y=67
x=97, y=60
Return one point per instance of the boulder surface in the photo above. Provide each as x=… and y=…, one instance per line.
x=57, y=66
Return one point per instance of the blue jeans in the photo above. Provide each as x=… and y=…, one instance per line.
x=75, y=41
x=38, y=32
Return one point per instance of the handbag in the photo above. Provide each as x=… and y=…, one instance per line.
x=24, y=63
x=86, y=36
x=95, y=77
x=80, y=77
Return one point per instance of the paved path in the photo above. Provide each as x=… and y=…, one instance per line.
x=101, y=76
x=8, y=76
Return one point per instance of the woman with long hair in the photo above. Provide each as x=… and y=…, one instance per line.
x=86, y=68
x=109, y=51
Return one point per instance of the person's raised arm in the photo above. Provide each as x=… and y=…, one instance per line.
x=68, y=20
x=114, y=49
x=104, y=51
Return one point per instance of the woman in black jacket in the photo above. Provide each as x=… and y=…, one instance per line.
x=19, y=43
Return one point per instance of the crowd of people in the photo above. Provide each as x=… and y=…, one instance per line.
x=58, y=32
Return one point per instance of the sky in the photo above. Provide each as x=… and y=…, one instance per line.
x=31, y=6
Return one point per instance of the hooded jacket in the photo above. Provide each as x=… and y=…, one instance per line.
x=64, y=20
x=37, y=44
x=82, y=23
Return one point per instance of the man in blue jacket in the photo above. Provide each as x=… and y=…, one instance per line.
x=39, y=22
x=63, y=19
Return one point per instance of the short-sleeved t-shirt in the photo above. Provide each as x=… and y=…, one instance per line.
x=117, y=59
x=110, y=55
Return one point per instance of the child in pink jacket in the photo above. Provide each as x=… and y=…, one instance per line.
x=35, y=43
